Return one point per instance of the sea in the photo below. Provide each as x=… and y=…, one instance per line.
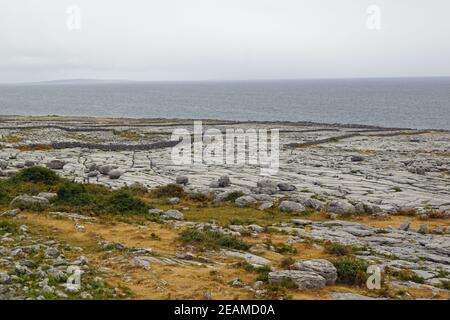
x=420, y=103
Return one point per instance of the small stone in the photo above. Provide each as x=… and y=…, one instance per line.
x=255, y=228
x=80, y=227
x=85, y=295
x=105, y=169
x=29, y=163
x=52, y=252
x=3, y=164
x=173, y=214
x=182, y=180
x=22, y=270
x=174, y=200
x=405, y=226
x=4, y=278
x=423, y=228
x=114, y=174
x=286, y=187
x=237, y=283
x=93, y=174
x=155, y=212
x=266, y=205
x=48, y=289
x=20, y=165
x=222, y=182
x=357, y=158
x=10, y=213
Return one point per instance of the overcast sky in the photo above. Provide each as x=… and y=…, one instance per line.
x=222, y=39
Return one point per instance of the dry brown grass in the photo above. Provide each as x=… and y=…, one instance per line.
x=186, y=282
x=36, y=147
x=396, y=221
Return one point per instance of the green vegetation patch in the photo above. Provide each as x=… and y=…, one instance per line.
x=71, y=196
x=211, y=239
x=169, y=191
x=351, y=271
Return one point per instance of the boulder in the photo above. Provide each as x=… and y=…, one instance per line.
x=105, y=169
x=266, y=186
x=405, y=226
x=56, y=164
x=173, y=215
x=3, y=164
x=245, y=201
x=303, y=279
x=357, y=158
x=92, y=167
x=182, y=180
x=29, y=202
x=253, y=259
x=93, y=174
x=222, y=182
x=291, y=206
x=266, y=205
x=341, y=207
x=312, y=203
x=48, y=195
x=4, y=278
x=20, y=165
x=10, y=213
x=174, y=200
x=301, y=222
x=29, y=163
x=52, y=252
x=368, y=208
x=255, y=228
x=320, y=266
x=266, y=183
x=138, y=187
x=286, y=187
x=423, y=228
x=261, y=197
x=114, y=174
x=155, y=212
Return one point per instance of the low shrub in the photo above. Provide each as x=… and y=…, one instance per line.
x=286, y=263
x=211, y=239
x=263, y=273
x=122, y=201
x=339, y=249
x=407, y=275
x=168, y=191
x=232, y=196
x=445, y=285
x=199, y=197
x=71, y=193
x=36, y=175
x=286, y=248
x=351, y=271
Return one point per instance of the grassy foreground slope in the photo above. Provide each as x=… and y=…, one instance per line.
x=128, y=253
